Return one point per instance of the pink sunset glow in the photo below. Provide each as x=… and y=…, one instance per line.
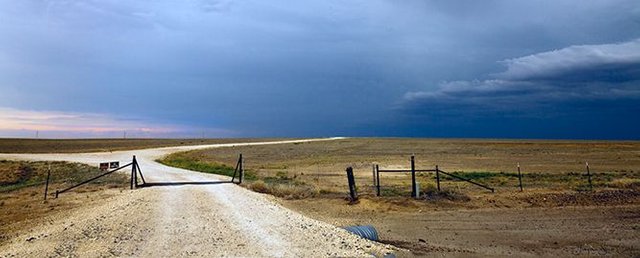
x=56, y=124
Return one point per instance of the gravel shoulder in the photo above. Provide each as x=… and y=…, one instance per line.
x=184, y=220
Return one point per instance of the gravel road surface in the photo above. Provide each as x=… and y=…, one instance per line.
x=217, y=219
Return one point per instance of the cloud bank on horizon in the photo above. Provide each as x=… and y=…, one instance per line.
x=21, y=123
x=610, y=71
x=561, y=69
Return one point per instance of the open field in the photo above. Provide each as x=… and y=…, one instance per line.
x=10, y=145
x=555, y=215
x=546, y=165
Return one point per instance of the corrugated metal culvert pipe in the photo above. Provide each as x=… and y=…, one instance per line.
x=368, y=232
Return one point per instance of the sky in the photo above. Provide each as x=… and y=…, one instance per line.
x=562, y=69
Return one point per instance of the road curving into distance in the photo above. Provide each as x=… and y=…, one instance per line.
x=219, y=219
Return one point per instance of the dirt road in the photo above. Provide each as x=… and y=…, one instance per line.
x=217, y=219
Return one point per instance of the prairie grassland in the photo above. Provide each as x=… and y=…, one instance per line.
x=318, y=167
x=556, y=215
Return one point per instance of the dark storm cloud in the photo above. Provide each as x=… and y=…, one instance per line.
x=609, y=71
x=608, y=62
x=577, y=83
x=311, y=68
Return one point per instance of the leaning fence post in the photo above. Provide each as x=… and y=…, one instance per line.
x=413, y=177
x=352, y=185
x=589, y=176
x=46, y=186
x=241, y=169
x=378, y=179
x=438, y=178
x=140, y=171
x=135, y=173
x=520, y=177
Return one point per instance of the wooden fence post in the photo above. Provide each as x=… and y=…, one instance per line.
x=589, y=176
x=520, y=177
x=438, y=177
x=378, y=179
x=373, y=169
x=352, y=185
x=241, y=169
x=46, y=186
x=413, y=177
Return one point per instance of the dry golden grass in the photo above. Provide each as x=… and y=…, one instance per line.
x=284, y=190
x=549, y=165
x=461, y=219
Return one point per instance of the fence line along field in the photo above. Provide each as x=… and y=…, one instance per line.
x=557, y=214
x=546, y=165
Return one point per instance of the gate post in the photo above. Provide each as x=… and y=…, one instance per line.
x=133, y=171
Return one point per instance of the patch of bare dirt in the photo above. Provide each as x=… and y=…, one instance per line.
x=499, y=226
x=19, y=208
x=422, y=248
x=599, y=198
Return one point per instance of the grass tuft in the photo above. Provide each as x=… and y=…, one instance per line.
x=183, y=160
x=431, y=193
x=284, y=190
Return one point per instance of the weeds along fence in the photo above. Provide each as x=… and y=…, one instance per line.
x=414, y=185
x=395, y=183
